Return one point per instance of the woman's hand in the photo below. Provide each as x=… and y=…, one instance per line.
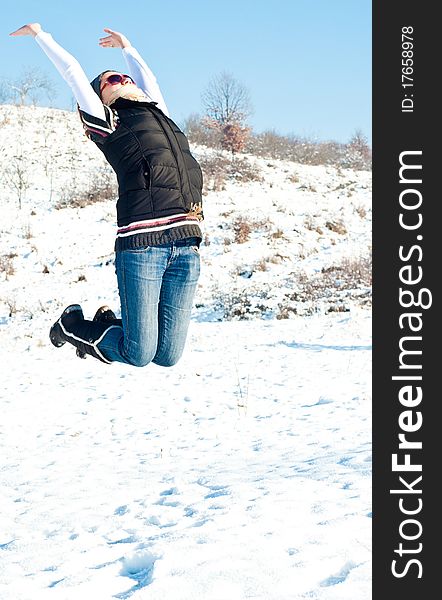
x=30, y=29
x=114, y=40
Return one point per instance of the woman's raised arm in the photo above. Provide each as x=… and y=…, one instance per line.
x=68, y=67
x=139, y=71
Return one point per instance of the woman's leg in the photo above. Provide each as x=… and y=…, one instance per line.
x=180, y=280
x=139, y=274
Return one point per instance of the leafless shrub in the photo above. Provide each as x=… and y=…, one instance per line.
x=261, y=265
x=219, y=168
x=352, y=272
x=247, y=271
x=242, y=230
x=242, y=170
x=312, y=225
x=243, y=226
x=7, y=264
x=198, y=132
x=361, y=211
x=356, y=154
x=215, y=172
x=331, y=290
x=337, y=226
x=277, y=258
x=27, y=232
x=5, y=118
x=278, y=234
x=102, y=188
x=243, y=304
x=285, y=311
x=293, y=178
x=17, y=177
x=11, y=303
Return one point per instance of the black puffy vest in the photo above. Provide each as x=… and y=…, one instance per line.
x=157, y=174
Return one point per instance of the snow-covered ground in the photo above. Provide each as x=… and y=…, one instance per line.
x=244, y=472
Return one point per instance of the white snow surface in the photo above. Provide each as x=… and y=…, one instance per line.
x=244, y=472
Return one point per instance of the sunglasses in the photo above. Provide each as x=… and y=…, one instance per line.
x=116, y=78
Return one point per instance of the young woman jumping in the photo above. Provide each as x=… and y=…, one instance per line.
x=159, y=207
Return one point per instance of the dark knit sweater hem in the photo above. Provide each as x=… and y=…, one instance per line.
x=158, y=238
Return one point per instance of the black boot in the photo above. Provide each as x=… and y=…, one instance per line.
x=105, y=315
x=71, y=315
x=84, y=335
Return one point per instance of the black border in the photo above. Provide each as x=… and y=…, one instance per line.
x=393, y=132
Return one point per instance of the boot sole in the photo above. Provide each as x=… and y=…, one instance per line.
x=54, y=336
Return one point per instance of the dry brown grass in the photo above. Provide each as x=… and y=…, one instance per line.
x=337, y=226
x=243, y=226
x=7, y=264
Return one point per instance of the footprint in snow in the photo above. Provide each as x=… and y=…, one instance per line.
x=340, y=576
x=214, y=490
x=217, y=493
x=56, y=582
x=153, y=520
x=6, y=545
x=138, y=567
x=121, y=510
x=169, y=492
x=320, y=402
x=165, y=495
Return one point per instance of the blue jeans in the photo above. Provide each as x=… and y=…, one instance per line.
x=156, y=286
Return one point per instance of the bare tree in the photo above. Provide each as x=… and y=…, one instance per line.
x=30, y=85
x=359, y=143
x=5, y=94
x=17, y=177
x=226, y=100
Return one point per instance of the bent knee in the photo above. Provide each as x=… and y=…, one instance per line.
x=140, y=359
x=166, y=361
x=139, y=362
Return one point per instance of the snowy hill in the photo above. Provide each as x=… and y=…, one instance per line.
x=244, y=471
x=289, y=243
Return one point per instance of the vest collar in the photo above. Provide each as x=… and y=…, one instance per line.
x=121, y=103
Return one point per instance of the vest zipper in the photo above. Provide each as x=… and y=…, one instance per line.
x=185, y=168
x=171, y=150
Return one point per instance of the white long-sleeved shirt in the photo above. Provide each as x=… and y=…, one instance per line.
x=72, y=72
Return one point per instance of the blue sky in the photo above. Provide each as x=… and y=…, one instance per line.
x=306, y=63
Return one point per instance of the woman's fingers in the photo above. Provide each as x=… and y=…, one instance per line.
x=115, y=39
x=22, y=31
x=30, y=29
x=111, y=41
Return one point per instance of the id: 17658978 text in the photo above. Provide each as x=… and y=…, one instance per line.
x=407, y=69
